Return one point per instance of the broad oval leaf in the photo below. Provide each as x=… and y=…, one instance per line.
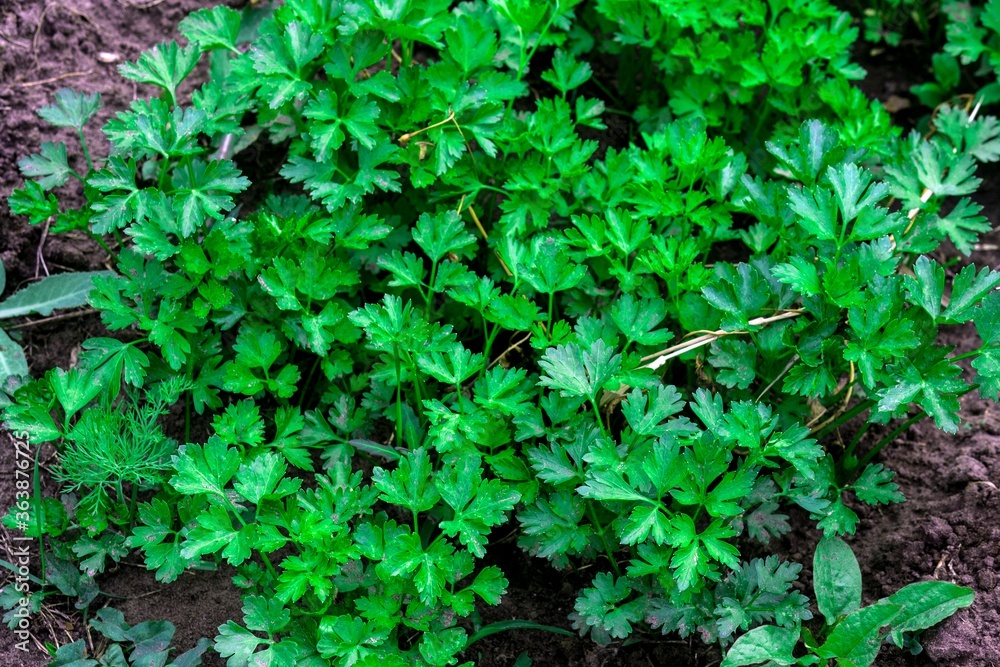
x=64, y=290
x=925, y=604
x=766, y=643
x=12, y=361
x=858, y=637
x=836, y=579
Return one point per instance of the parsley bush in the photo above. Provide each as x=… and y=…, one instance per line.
x=461, y=306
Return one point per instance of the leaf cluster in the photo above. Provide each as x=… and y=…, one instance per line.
x=453, y=312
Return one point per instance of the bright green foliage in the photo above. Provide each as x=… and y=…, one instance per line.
x=165, y=65
x=71, y=109
x=443, y=312
x=717, y=75
x=212, y=28
x=108, y=448
x=49, y=167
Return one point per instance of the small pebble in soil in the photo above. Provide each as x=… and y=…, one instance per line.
x=967, y=469
x=939, y=532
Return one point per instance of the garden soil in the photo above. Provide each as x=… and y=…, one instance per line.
x=949, y=528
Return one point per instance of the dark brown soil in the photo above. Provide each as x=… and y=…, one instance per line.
x=947, y=529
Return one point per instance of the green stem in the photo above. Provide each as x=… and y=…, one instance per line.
x=39, y=512
x=488, y=188
x=889, y=438
x=846, y=417
x=611, y=96
x=112, y=596
x=762, y=114
x=597, y=416
x=538, y=42
x=399, y=396
x=856, y=439
x=521, y=62
x=104, y=245
x=503, y=626
x=267, y=563
x=161, y=179
x=429, y=297
x=86, y=153
x=967, y=355
x=235, y=510
x=551, y=309
x=419, y=389
x=592, y=514
x=305, y=387
x=16, y=570
x=627, y=77
x=486, y=334
x=132, y=505
x=488, y=348
x=406, y=48
x=187, y=416
x=243, y=524
x=525, y=58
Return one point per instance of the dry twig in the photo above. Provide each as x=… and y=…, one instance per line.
x=482, y=230
x=40, y=251
x=54, y=318
x=140, y=5
x=513, y=346
x=657, y=359
x=51, y=79
x=840, y=410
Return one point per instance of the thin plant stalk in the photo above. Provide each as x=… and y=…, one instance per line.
x=592, y=514
x=504, y=626
x=39, y=512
